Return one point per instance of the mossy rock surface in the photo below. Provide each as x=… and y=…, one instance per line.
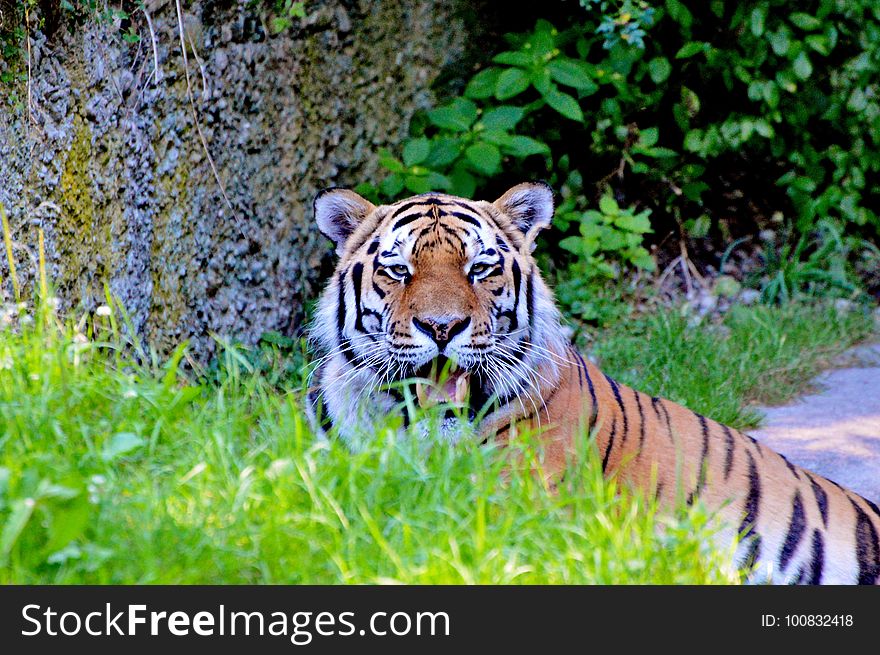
x=109, y=161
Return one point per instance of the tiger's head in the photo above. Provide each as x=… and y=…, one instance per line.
x=441, y=289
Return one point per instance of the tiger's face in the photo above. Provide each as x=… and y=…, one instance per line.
x=439, y=289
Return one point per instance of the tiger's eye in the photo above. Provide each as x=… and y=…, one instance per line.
x=479, y=269
x=399, y=270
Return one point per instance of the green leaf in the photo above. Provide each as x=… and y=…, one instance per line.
x=638, y=223
x=679, y=13
x=498, y=137
x=485, y=157
x=482, y=85
x=541, y=80
x=694, y=140
x=512, y=58
x=444, y=151
x=69, y=521
x=503, y=118
x=649, y=136
x=805, y=21
x=415, y=151
x=511, y=82
x=757, y=20
x=523, y=146
x=576, y=74
x=438, y=181
x=573, y=244
x=608, y=205
x=612, y=239
x=659, y=69
x=802, y=66
x=17, y=519
x=564, y=104
x=764, y=128
x=690, y=49
x=642, y=259
x=390, y=162
x=392, y=185
x=780, y=41
x=459, y=115
x=463, y=183
x=770, y=93
x=417, y=183
x=693, y=190
x=819, y=42
x=663, y=152
x=120, y=444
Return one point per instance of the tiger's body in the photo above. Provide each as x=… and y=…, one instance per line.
x=437, y=280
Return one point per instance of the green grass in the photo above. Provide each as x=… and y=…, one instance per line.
x=757, y=355
x=114, y=471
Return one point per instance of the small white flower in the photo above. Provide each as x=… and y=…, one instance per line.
x=130, y=393
x=103, y=310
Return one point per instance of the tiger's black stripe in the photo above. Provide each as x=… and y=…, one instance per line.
x=594, y=411
x=817, y=563
x=791, y=467
x=753, y=501
x=753, y=554
x=406, y=220
x=357, y=272
x=610, y=444
x=637, y=395
x=704, y=456
x=467, y=219
x=821, y=499
x=616, y=391
x=867, y=546
x=340, y=309
x=731, y=446
x=325, y=421
x=530, y=301
x=429, y=200
x=658, y=403
x=796, y=529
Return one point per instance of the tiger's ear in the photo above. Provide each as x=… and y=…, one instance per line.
x=529, y=206
x=338, y=212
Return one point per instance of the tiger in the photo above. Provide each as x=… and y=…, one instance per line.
x=445, y=291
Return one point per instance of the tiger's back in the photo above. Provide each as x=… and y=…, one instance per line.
x=793, y=525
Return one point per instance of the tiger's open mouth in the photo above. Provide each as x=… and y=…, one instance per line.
x=443, y=382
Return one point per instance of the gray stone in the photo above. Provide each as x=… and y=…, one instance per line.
x=118, y=154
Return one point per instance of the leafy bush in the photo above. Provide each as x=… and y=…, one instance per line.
x=664, y=107
x=816, y=265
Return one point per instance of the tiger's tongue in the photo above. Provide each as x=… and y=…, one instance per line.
x=454, y=389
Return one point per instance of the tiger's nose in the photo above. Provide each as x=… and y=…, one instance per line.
x=441, y=329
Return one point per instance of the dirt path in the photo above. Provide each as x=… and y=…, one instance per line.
x=836, y=430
